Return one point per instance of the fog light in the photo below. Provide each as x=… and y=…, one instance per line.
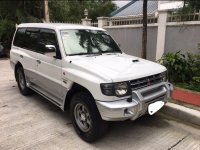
x=128, y=112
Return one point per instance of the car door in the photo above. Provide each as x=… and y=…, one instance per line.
x=23, y=48
x=48, y=66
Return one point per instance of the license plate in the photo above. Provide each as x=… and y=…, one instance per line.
x=154, y=107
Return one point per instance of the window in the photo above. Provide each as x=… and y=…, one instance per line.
x=32, y=35
x=36, y=39
x=20, y=38
x=78, y=42
x=27, y=38
x=47, y=37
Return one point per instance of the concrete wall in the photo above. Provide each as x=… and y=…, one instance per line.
x=182, y=37
x=178, y=37
x=130, y=39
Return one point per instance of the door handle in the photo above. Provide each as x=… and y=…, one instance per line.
x=21, y=56
x=38, y=61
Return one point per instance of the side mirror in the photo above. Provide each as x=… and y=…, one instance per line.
x=50, y=48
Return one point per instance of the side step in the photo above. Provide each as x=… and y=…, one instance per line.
x=45, y=96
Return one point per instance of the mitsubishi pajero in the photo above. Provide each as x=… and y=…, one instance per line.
x=82, y=69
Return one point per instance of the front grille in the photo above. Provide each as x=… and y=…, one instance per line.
x=146, y=81
x=156, y=99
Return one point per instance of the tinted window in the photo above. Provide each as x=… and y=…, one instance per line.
x=47, y=37
x=32, y=36
x=27, y=38
x=36, y=39
x=20, y=38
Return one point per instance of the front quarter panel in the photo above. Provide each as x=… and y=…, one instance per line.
x=73, y=74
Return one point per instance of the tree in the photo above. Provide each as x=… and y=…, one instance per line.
x=189, y=7
x=15, y=12
x=21, y=10
x=46, y=11
x=24, y=11
x=144, y=30
x=73, y=11
x=193, y=4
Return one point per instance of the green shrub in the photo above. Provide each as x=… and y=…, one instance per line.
x=7, y=29
x=194, y=61
x=183, y=69
x=179, y=70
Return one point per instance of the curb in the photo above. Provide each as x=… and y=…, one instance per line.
x=182, y=113
x=187, y=96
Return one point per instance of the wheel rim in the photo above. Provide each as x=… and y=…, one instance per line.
x=82, y=117
x=21, y=80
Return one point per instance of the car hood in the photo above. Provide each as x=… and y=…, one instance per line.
x=116, y=67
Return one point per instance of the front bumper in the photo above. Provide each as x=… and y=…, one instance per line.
x=123, y=109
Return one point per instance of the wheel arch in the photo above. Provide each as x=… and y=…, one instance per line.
x=18, y=64
x=74, y=89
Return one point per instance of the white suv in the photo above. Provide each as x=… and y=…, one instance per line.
x=82, y=68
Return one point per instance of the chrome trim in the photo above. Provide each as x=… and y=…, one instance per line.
x=116, y=110
x=146, y=81
x=45, y=95
x=123, y=110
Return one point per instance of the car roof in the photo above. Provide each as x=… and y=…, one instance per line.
x=58, y=26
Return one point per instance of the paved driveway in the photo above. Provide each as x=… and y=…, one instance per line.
x=34, y=123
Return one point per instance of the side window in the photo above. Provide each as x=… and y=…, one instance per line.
x=20, y=38
x=48, y=38
x=32, y=36
x=40, y=40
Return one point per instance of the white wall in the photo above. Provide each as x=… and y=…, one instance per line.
x=168, y=5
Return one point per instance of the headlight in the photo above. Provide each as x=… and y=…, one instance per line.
x=164, y=76
x=116, y=89
x=121, y=88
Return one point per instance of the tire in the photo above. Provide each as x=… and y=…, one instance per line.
x=88, y=114
x=21, y=81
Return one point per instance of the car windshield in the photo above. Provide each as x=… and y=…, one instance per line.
x=81, y=42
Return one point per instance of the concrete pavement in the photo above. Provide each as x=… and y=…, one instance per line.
x=34, y=123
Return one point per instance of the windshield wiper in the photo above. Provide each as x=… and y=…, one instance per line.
x=88, y=54
x=78, y=54
x=94, y=54
x=112, y=52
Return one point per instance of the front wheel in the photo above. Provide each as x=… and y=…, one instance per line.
x=21, y=81
x=86, y=118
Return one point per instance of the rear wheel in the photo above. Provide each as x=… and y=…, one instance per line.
x=86, y=118
x=21, y=81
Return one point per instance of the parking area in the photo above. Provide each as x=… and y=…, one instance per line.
x=34, y=123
